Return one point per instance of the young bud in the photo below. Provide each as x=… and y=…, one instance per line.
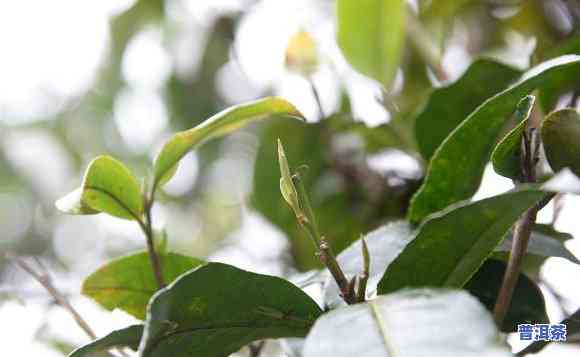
x=286, y=185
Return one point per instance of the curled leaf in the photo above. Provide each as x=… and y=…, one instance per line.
x=220, y=124
x=506, y=156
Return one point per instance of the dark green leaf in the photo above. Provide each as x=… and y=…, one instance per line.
x=527, y=305
x=561, y=138
x=506, y=156
x=127, y=337
x=451, y=245
x=450, y=105
x=216, y=309
x=220, y=124
x=410, y=323
x=456, y=168
x=111, y=188
x=127, y=283
x=371, y=34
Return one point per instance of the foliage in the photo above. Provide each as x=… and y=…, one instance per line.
x=404, y=261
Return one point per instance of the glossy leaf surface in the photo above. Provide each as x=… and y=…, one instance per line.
x=216, y=309
x=456, y=168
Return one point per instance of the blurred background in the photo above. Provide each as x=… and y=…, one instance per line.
x=82, y=78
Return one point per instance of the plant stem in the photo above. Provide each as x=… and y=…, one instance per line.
x=46, y=282
x=316, y=97
x=522, y=232
x=147, y=228
x=324, y=251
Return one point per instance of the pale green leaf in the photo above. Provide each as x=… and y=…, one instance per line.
x=220, y=124
x=371, y=36
x=111, y=188
x=128, y=282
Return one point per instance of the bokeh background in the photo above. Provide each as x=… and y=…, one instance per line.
x=81, y=78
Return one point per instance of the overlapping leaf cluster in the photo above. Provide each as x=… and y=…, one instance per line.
x=417, y=269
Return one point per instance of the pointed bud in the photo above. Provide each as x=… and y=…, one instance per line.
x=286, y=185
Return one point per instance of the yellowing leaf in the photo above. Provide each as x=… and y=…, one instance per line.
x=110, y=187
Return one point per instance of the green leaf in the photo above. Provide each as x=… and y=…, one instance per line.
x=110, y=187
x=411, y=323
x=72, y=203
x=220, y=124
x=527, y=305
x=127, y=283
x=448, y=106
x=544, y=242
x=456, y=168
x=550, y=94
x=127, y=337
x=561, y=138
x=451, y=245
x=384, y=244
x=371, y=35
x=506, y=156
x=286, y=184
x=442, y=8
x=216, y=309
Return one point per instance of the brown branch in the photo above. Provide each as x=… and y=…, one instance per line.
x=522, y=230
x=45, y=280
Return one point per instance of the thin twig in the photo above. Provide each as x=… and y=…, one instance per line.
x=324, y=251
x=147, y=228
x=45, y=280
x=316, y=96
x=522, y=231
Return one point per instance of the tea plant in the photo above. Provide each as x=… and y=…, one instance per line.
x=447, y=280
